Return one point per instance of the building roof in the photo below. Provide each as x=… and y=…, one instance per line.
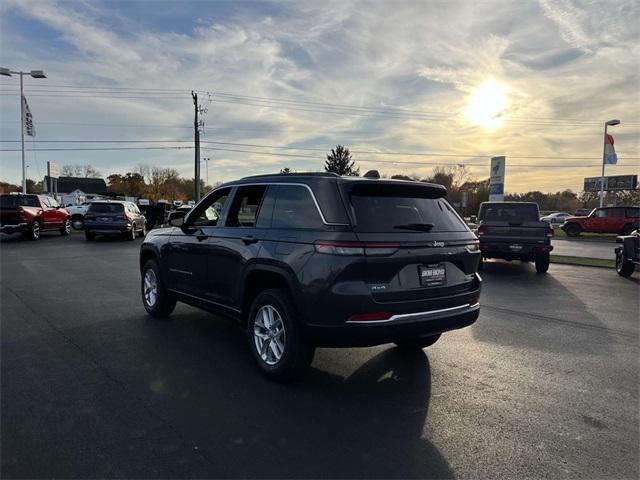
x=86, y=185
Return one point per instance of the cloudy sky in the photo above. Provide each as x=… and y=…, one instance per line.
x=405, y=85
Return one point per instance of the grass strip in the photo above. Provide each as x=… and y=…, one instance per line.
x=585, y=262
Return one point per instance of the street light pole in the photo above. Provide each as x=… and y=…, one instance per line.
x=35, y=74
x=604, y=152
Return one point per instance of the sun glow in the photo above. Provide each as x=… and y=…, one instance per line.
x=486, y=105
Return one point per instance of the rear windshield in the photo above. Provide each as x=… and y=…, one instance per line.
x=383, y=214
x=106, y=207
x=508, y=212
x=9, y=201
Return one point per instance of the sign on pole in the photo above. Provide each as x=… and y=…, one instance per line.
x=27, y=119
x=496, y=179
x=615, y=182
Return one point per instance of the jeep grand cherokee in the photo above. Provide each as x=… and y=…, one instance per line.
x=306, y=260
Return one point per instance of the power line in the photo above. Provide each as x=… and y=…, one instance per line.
x=325, y=149
x=270, y=101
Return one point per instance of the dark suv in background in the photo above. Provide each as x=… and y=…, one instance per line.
x=310, y=260
x=114, y=218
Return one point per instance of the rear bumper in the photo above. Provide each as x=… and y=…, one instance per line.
x=397, y=328
x=18, y=227
x=106, y=228
x=513, y=249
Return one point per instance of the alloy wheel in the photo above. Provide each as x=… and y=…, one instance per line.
x=67, y=226
x=35, y=230
x=269, y=335
x=150, y=287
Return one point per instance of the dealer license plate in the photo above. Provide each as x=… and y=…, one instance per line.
x=432, y=275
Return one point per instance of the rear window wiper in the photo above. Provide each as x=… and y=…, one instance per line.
x=421, y=227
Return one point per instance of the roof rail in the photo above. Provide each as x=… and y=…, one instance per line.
x=295, y=174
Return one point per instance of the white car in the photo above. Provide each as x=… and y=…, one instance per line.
x=556, y=218
x=77, y=214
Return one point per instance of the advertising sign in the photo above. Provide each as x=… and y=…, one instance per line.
x=54, y=171
x=615, y=182
x=496, y=179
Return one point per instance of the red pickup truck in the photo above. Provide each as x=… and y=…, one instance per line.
x=32, y=214
x=620, y=220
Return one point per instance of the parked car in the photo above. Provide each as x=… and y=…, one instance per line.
x=77, y=213
x=113, y=217
x=32, y=214
x=513, y=231
x=556, y=218
x=628, y=253
x=621, y=220
x=310, y=260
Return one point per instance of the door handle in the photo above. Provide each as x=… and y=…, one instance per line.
x=249, y=239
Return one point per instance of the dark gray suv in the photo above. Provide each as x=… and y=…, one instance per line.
x=306, y=260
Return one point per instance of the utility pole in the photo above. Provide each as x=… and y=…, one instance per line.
x=196, y=132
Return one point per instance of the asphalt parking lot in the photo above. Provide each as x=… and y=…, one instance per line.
x=545, y=384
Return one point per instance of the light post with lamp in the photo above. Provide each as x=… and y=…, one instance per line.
x=35, y=74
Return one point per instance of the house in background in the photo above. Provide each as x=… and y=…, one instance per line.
x=76, y=190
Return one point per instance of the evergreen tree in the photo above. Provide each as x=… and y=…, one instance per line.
x=340, y=162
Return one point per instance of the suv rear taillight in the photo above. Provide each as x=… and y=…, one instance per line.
x=473, y=245
x=355, y=248
x=549, y=231
x=482, y=230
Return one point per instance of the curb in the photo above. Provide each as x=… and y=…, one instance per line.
x=583, y=262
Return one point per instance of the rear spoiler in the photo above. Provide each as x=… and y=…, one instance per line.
x=393, y=188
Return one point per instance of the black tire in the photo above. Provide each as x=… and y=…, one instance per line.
x=132, y=235
x=627, y=229
x=66, y=228
x=143, y=230
x=89, y=236
x=162, y=303
x=34, y=231
x=296, y=353
x=418, y=343
x=542, y=263
x=573, y=230
x=623, y=266
x=77, y=222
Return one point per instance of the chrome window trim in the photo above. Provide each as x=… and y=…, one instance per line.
x=295, y=184
x=404, y=316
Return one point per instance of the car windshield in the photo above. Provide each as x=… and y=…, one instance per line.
x=106, y=208
x=508, y=212
x=9, y=201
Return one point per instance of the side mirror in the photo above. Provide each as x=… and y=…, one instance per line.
x=176, y=219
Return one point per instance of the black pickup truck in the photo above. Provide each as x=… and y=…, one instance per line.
x=513, y=231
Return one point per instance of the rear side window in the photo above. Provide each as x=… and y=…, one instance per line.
x=633, y=212
x=508, y=212
x=383, y=214
x=295, y=208
x=245, y=206
x=106, y=208
x=10, y=201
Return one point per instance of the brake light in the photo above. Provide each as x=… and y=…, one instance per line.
x=482, y=230
x=473, y=245
x=371, y=317
x=549, y=231
x=355, y=248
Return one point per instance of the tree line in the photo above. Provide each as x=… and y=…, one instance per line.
x=464, y=190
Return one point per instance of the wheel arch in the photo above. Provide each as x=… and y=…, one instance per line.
x=260, y=278
x=147, y=253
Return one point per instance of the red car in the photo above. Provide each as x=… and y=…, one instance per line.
x=620, y=220
x=32, y=214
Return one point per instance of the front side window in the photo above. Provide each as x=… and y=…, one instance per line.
x=209, y=212
x=600, y=214
x=617, y=212
x=245, y=206
x=295, y=208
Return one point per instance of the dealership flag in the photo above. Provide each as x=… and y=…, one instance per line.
x=610, y=157
x=27, y=121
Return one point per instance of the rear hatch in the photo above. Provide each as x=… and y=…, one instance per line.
x=417, y=247
x=12, y=208
x=106, y=213
x=508, y=221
